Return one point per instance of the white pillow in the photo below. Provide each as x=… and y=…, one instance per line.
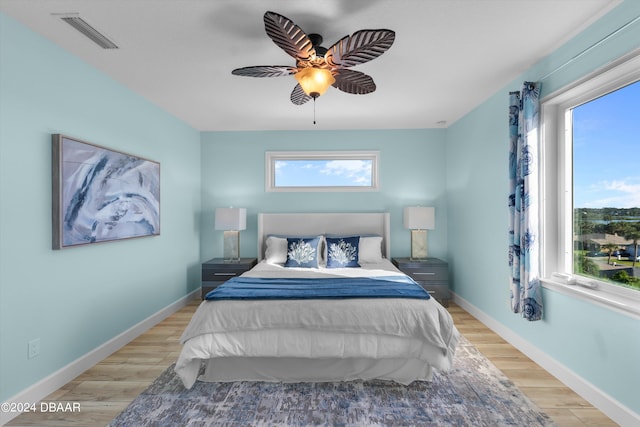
x=370, y=249
x=276, y=252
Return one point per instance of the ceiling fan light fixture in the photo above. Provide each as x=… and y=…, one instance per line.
x=314, y=81
x=316, y=67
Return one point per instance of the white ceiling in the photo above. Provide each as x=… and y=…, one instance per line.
x=448, y=56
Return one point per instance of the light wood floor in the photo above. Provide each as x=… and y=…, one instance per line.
x=106, y=389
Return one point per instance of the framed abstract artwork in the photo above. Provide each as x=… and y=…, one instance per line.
x=101, y=195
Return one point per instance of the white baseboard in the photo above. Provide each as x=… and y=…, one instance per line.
x=601, y=400
x=53, y=382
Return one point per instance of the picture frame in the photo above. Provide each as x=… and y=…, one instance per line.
x=101, y=195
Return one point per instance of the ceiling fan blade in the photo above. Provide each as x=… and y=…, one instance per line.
x=265, y=71
x=360, y=47
x=355, y=82
x=288, y=36
x=298, y=96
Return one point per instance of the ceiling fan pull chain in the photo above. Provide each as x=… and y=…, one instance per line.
x=314, y=110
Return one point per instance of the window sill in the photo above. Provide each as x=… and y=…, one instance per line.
x=617, y=301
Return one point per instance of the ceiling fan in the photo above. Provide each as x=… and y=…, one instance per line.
x=317, y=67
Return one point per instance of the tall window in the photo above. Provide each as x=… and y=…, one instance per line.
x=606, y=187
x=591, y=183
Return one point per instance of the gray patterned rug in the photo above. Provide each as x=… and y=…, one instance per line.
x=474, y=393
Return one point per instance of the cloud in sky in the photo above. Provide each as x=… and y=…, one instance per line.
x=623, y=193
x=357, y=171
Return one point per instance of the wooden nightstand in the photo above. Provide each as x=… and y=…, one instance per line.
x=431, y=273
x=216, y=271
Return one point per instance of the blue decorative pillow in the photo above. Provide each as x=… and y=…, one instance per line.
x=342, y=252
x=303, y=252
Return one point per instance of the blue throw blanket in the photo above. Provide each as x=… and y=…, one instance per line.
x=251, y=288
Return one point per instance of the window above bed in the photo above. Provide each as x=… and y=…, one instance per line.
x=304, y=171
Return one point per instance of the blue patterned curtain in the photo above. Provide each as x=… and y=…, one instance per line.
x=524, y=250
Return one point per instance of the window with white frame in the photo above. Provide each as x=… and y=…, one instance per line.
x=321, y=171
x=591, y=184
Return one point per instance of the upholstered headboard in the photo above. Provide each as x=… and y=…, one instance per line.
x=366, y=223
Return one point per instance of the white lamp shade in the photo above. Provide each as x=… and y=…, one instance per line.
x=419, y=218
x=231, y=219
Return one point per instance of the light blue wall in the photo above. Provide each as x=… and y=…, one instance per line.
x=77, y=299
x=412, y=171
x=599, y=345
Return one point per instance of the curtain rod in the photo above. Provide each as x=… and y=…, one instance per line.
x=593, y=46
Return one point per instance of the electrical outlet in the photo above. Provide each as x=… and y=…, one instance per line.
x=33, y=348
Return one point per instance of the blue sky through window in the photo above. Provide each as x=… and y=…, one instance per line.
x=606, y=150
x=323, y=173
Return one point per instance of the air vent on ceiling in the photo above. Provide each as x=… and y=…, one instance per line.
x=85, y=28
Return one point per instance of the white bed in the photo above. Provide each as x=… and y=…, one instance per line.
x=399, y=339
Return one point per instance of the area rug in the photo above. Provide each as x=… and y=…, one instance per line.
x=473, y=393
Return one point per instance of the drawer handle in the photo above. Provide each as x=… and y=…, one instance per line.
x=424, y=274
x=224, y=274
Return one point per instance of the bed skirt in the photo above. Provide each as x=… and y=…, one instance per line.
x=291, y=369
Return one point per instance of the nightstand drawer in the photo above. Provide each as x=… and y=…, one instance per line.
x=427, y=274
x=431, y=273
x=438, y=291
x=212, y=275
x=216, y=271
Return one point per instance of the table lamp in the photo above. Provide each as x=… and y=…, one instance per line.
x=231, y=221
x=419, y=219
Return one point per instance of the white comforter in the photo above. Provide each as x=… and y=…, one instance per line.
x=343, y=328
